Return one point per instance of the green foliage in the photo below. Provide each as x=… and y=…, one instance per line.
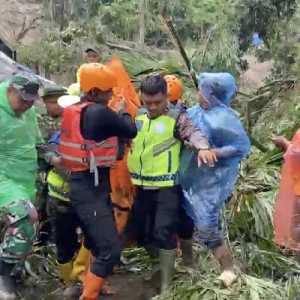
x=264, y=17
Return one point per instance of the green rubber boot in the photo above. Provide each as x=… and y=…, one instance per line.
x=167, y=268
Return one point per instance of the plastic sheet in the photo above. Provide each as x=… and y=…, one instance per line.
x=18, y=156
x=8, y=68
x=206, y=189
x=287, y=207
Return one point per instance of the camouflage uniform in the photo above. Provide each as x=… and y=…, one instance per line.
x=19, y=136
x=19, y=219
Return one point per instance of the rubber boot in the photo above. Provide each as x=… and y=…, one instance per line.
x=92, y=286
x=167, y=268
x=72, y=289
x=225, y=258
x=7, y=282
x=154, y=274
x=80, y=264
x=65, y=271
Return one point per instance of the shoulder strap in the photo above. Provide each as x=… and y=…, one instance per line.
x=141, y=111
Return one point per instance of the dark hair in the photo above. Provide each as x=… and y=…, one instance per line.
x=154, y=84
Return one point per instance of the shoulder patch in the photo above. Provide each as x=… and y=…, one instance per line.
x=139, y=124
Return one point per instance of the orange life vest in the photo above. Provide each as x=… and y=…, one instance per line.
x=79, y=154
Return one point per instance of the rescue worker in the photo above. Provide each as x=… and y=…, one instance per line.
x=59, y=210
x=153, y=163
x=48, y=124
x=185, y=223
x=88, y=147
x=19, y=137
x=90, y=55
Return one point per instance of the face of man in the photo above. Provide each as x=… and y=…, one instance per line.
x=17, y=103
x=92, y=57
x=53, y=109
x=156, y=105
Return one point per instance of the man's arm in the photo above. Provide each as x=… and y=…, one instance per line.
x=100, y=123
x=186, y=132
x=193, y=137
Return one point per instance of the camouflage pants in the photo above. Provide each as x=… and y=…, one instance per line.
x=18, y=223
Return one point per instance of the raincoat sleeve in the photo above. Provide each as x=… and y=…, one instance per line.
x=186, y=132
x=227, y=151
x=38, y=134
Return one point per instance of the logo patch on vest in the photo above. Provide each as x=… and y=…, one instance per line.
x=160, y=128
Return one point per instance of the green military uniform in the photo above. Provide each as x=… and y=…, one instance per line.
x=19, y=136
x=48, y=127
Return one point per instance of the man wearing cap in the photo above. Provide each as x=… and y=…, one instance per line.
x=91, y=55
x=48, y=124
x=19, y=136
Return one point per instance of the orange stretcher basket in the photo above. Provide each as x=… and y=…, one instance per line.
x=122, y=188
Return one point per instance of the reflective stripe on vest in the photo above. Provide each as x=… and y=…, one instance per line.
x=103, y=145
x=154, y=157
x=86, y=160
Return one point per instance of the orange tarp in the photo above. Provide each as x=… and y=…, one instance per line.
x=287, y=208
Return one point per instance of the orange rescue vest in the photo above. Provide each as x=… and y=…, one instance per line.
x=79, y=154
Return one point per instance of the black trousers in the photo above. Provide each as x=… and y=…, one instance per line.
x=64, y=223
x=93, y=207
x=185, y=224
x=154, y=218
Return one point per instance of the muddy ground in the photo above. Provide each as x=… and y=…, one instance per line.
x=127, y=286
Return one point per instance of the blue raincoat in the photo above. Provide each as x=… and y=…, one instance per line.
x=207, y=189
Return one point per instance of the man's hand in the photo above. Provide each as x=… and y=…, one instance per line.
x=56, y=162
x=121, y=106
x=281, y=142
x=208, y=157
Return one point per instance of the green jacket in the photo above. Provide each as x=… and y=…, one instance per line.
x=18, y=156
x=154, y=158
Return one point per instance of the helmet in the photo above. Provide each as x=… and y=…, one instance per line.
x=175, y=87
x=95, y=75
x=68, y=100
x=74, y=89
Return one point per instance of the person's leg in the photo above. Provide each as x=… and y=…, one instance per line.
x=165, y=231
x=185, y=234
x=224, y=255
x=19, y=219
x=94, y=208
x=212, y=234
x=64, y=222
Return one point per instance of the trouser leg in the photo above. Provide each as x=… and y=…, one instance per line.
x=19, y=219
